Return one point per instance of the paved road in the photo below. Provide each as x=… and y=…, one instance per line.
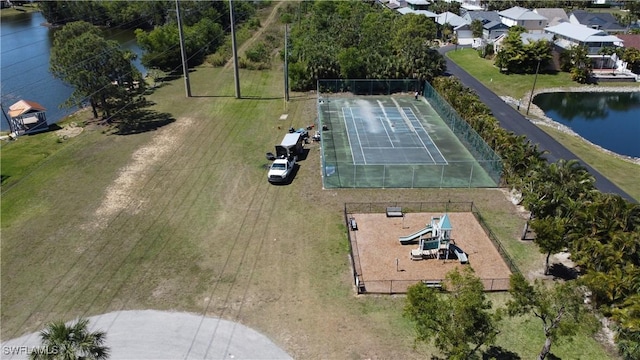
x=512, y=120
x=161, y=335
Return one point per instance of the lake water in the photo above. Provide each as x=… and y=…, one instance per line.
x=24, y=74
x=610, y=120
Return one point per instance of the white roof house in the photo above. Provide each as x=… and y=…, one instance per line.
x=407, y=10
x=526, y=18
x=568, y=35
x=451, y=19
x=554, y=15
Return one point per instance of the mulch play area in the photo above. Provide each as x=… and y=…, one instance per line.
x=385, y=265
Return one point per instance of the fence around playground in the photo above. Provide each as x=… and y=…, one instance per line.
x=470, y=161
x=392, y=286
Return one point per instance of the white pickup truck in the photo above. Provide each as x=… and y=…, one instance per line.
x=281, y=168
x=286, y=156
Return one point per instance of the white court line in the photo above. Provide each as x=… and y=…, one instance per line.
x=385, y=130
x=430, y=139
x=353, y=118
x=422, y=142
x=346, y=126
x=404, y=116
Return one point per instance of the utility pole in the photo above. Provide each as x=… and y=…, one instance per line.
x=185, y=66
x=11, y=130
x=236, y=76
x=286, y=64
x=533, y=87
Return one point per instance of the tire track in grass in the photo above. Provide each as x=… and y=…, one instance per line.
x=259, y=195
x=257, y=253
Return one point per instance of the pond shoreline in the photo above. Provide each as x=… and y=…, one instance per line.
x=538, y=117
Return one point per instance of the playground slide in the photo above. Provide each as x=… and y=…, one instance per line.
x=462, y=256
x=410, y=238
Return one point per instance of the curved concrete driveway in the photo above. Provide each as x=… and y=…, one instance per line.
x=151, y=334
x=512, y=120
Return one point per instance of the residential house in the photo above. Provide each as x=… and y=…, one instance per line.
x=519, y=16
x=492, y=25
x=408, y=10
x=27, y=117
x=554, y=15
x=418, y=4
x=526, y=38
x=492, y=30
x=599, y=21
x=469, y=5
x=567, y=35
x=461, y=28
x=396, y=4
x=630, y=40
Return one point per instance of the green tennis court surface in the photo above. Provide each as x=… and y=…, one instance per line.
x=396, y=141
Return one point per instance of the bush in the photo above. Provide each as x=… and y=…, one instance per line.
x=218, y=59
x=258, y=53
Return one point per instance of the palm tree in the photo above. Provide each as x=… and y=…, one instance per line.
x=69, y=342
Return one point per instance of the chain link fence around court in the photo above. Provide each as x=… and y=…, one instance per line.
x=339, y=171
x=373, y=286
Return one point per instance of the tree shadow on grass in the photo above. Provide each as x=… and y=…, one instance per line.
x=499, y=353
x=139, y=118
x=563, y=272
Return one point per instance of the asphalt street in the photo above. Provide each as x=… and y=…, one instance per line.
x=512, y=120
x=163, y=335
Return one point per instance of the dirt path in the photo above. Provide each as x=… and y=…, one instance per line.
x=265, y=25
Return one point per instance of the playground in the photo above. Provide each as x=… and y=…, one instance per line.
x=393, y=251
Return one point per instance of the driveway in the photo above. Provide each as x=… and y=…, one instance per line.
x=512, y=120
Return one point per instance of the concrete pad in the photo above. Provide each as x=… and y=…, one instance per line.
x=151, y=334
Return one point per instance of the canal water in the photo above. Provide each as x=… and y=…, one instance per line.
x=610, y=120
x=24, y=64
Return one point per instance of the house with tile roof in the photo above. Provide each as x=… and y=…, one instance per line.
x=599, y=21
x=630, y=40
x=27, y=117
x=519, y=16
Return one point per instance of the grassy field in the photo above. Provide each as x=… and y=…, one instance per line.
x=182, y=219
x=518, y=86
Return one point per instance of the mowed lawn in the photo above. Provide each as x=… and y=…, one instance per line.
x=182, y=219
x=519, y=86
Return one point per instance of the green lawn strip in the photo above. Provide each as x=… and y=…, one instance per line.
x=518, y=86
x=514, y=85
x=8, y=13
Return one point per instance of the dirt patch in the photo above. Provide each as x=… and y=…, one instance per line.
x=385, y=264
x=69, y=131
x=121, y=194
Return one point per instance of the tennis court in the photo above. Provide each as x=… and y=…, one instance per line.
x=396, y=141
x=382, y=135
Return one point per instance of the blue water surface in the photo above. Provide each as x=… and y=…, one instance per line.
x=610, y=120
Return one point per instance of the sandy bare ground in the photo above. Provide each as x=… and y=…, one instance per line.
x=121, y=195
x=151, y=334
x=377, y=247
